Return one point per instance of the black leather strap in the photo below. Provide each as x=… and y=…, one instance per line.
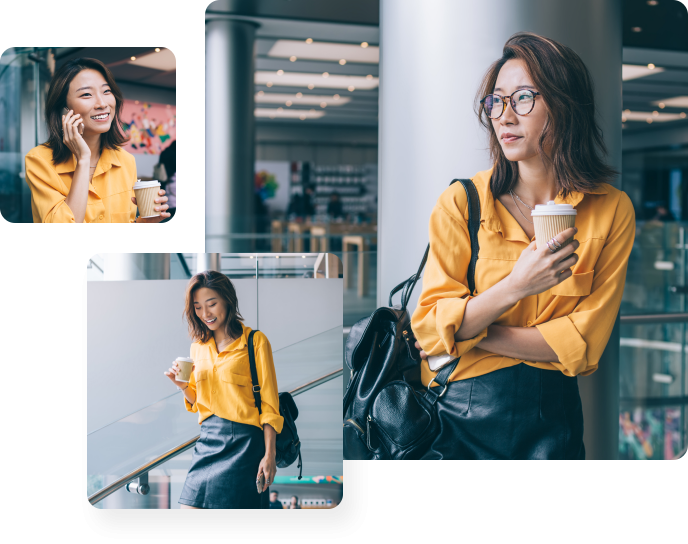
x=473, y=228
x=254, y=372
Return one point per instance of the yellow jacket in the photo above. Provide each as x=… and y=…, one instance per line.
x=222, y=382
x=575, y=317
x=109, y=193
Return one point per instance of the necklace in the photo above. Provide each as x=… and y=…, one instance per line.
x=224, y=342
x=519, y=209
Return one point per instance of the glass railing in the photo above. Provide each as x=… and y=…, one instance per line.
x=123, y=446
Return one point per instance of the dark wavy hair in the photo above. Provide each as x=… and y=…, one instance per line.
x=571, y=133
x=57, y=100
x=219, y=283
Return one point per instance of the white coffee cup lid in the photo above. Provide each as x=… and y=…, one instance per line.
x=186, y=359
x=145, y=184
x=553, y=209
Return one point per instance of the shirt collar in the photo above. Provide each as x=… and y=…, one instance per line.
x=108, y=159
x=510, y=228
x=239, y=343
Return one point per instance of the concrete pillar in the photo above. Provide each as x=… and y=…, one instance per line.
x=136, y=266
x=432, y=61
x=207, y=261
x=229, y=132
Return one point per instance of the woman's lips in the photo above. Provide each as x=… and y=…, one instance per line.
x=103, y=118
x=211, y=321
x=509, y=139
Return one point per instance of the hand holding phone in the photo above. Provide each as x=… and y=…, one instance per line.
x=72, y=138
x=260, y=482
x=80, y=126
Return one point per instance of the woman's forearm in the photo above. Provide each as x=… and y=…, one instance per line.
x=270, y=440
x=78, y=192
x=485, y=309
x=190, y=395
x=518, y=342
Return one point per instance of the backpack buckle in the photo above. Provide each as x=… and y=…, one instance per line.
x=256, y=388
x=443, y=391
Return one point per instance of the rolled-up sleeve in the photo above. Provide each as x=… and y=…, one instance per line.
x=269, y=393
x=579, y=339
x=192, y=387
x=48, y=192
x=443, y=300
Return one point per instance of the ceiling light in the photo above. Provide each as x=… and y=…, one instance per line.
x=634, y=71
x=336, y=97
x=269, y=84
x=323, y=104
x=280, y=109
x=303, y=79
x=682, y=115
x=292, y=58
x=342, y=61
x=369, y=76
x=302, y=117
x=660, y=117
x=636, y=29
x=136, y=101
x=623, y=118
x=309, y=41
x=163, y=60
x=261, y=93
x=299, y=95
x=290, y=113
x=652, y=2
x=157, y=50
x=133, y=58
x=364, y=45
x=662, y=105
x=311, y=111
x=280, y=72
x=649, y=120
x=675, y=102
x=326, y=51
x=627, y=111
x=326, y=74
x=651, y=66
x=291, y=100
x=352, y=88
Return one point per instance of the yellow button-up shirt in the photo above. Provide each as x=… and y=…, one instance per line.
x=575, y=317
x=109, y=192
x=223, y=386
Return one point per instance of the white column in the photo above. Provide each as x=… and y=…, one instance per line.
x=432, y=61
x=136, y=266
x=229, y=132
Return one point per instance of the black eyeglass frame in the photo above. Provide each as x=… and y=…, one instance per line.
x=511, y=102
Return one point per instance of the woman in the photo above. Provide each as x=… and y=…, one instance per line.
x=541, y=316
x=237, y=444
x=81, y=174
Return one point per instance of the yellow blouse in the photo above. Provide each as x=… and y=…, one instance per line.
x=223, y=386
x=109, y=193
x=575, y=317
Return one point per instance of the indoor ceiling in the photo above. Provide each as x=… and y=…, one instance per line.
x=655, y=33
x=150, y=66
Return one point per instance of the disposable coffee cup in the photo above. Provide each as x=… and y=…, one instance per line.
x=551, y=219
x=146, y=192
x=185, y=365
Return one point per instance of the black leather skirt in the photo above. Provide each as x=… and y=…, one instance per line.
x=224, y=466
x=520, y=412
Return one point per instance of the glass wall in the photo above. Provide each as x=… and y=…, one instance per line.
x=24, y=74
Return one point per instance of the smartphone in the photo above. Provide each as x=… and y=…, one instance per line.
x=80, y=127
x=436, y=362
x=260, y=482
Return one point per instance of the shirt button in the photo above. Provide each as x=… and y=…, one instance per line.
x=100, y=216
x=213, y=391
x=214, y=369
x=529, y=323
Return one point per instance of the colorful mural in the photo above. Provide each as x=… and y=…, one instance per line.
x=150, y=127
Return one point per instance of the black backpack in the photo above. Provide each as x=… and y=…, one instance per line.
x=388, y=414
x=288, y=445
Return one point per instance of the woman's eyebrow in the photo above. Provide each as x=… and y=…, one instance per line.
x=82, y=88
x=517, y=88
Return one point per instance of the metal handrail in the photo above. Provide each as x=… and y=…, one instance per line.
x=143, y=469
x=182, y=262
x=654, y=318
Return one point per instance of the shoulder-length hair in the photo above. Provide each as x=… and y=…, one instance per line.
x=57, y=101
x=571, y=134
x=222, y=286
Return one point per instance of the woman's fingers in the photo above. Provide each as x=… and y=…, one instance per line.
x=133, y=199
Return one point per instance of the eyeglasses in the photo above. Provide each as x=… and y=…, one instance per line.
x=522, y=102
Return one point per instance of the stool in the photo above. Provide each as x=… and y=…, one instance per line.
x=362, y=246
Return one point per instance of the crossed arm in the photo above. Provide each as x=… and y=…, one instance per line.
x=520, y=343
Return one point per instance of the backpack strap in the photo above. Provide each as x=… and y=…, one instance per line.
x=254, y=372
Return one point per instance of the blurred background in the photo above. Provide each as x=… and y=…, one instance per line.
x=145, y=75
x=293, y=95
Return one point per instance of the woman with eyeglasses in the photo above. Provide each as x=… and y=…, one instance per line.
x=538, y=318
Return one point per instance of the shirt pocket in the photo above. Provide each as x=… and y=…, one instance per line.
x=202, y=383
x=578, y=285
x=238, y=387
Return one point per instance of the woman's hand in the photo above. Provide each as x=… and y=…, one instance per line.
x=162, y=200
x=72, y=139
x=423, y=355
x=269, y=468
x=172, y=375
